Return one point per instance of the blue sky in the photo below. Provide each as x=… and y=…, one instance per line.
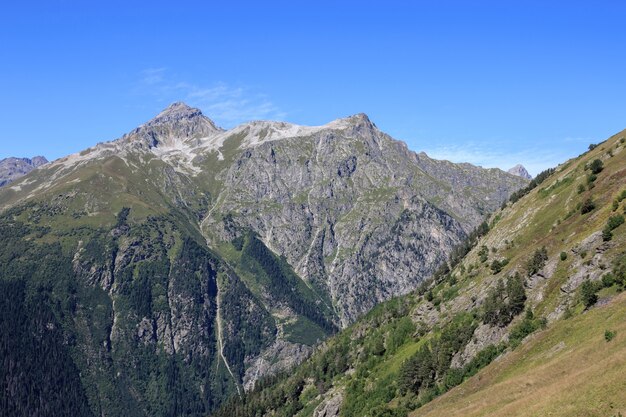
x=489, y=82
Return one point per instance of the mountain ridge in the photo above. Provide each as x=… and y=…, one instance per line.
x=292, y=231
x=13, y=168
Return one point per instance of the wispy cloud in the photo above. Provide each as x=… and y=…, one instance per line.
x=152, y=76
x=486, y=155
x=227, y=105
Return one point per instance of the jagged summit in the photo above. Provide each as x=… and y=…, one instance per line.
x=180, y=112
x=256, y=132
x=179, y=125
x=359, y=121
x=359, y=118
x=14, y=168
x=38, y=161
x=520, y=171
x=177, y=111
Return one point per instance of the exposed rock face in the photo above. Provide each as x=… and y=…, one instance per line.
x=484, y=336
x=329, y=407
x=281, y=356
x=14, y=168
x=358, y=215
x=520, y=171
x=352, y=215
x=173, y=128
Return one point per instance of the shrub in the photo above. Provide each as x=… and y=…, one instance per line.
x=504, y=302
x=238, y=242
x=581, y=188
x=619, y=270
x=516, y=295
x=563, y=256
x=596, y=166
x=483, y=253
x=587, y=206
x=609, y=335
x=588, y=294
x=122, y=216
x=613, y=223
x=452, y=280
x=591, y=178
x=497, y=265
x=528, y=325
x=537, y=261
x=592, y=146
x=608, y=280
x=482, y=359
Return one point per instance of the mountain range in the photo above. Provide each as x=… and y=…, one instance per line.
x=528, y=319
x=14, y=168
x=177, y=265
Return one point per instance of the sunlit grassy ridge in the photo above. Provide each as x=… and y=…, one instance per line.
x=567, y=370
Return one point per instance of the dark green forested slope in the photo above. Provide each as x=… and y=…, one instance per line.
x=121, y=320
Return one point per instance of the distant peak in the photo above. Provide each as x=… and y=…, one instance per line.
x=37, y=161
x=176, y=124
x=359, y=118
x=181, y=114
x=178, y=110
x=520, y=171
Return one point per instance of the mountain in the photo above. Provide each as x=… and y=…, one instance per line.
x=13, y=168
x=529, y=319
x=520, y=171
x=175, y=266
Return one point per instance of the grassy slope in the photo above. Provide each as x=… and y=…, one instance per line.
x=586, y=376
x=567, y=370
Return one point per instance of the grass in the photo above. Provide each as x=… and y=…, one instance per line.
x=393, y=363
x=567, y=370
x=303, y=331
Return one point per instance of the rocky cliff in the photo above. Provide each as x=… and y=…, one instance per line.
x=192, y=260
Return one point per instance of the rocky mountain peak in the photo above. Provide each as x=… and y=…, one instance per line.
x=177, y=111
x=359, y=121
x=14, y=168
x=520, y=171
x=38, y=161
x=180, y=112
x=359, y=118
x=178, y=123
